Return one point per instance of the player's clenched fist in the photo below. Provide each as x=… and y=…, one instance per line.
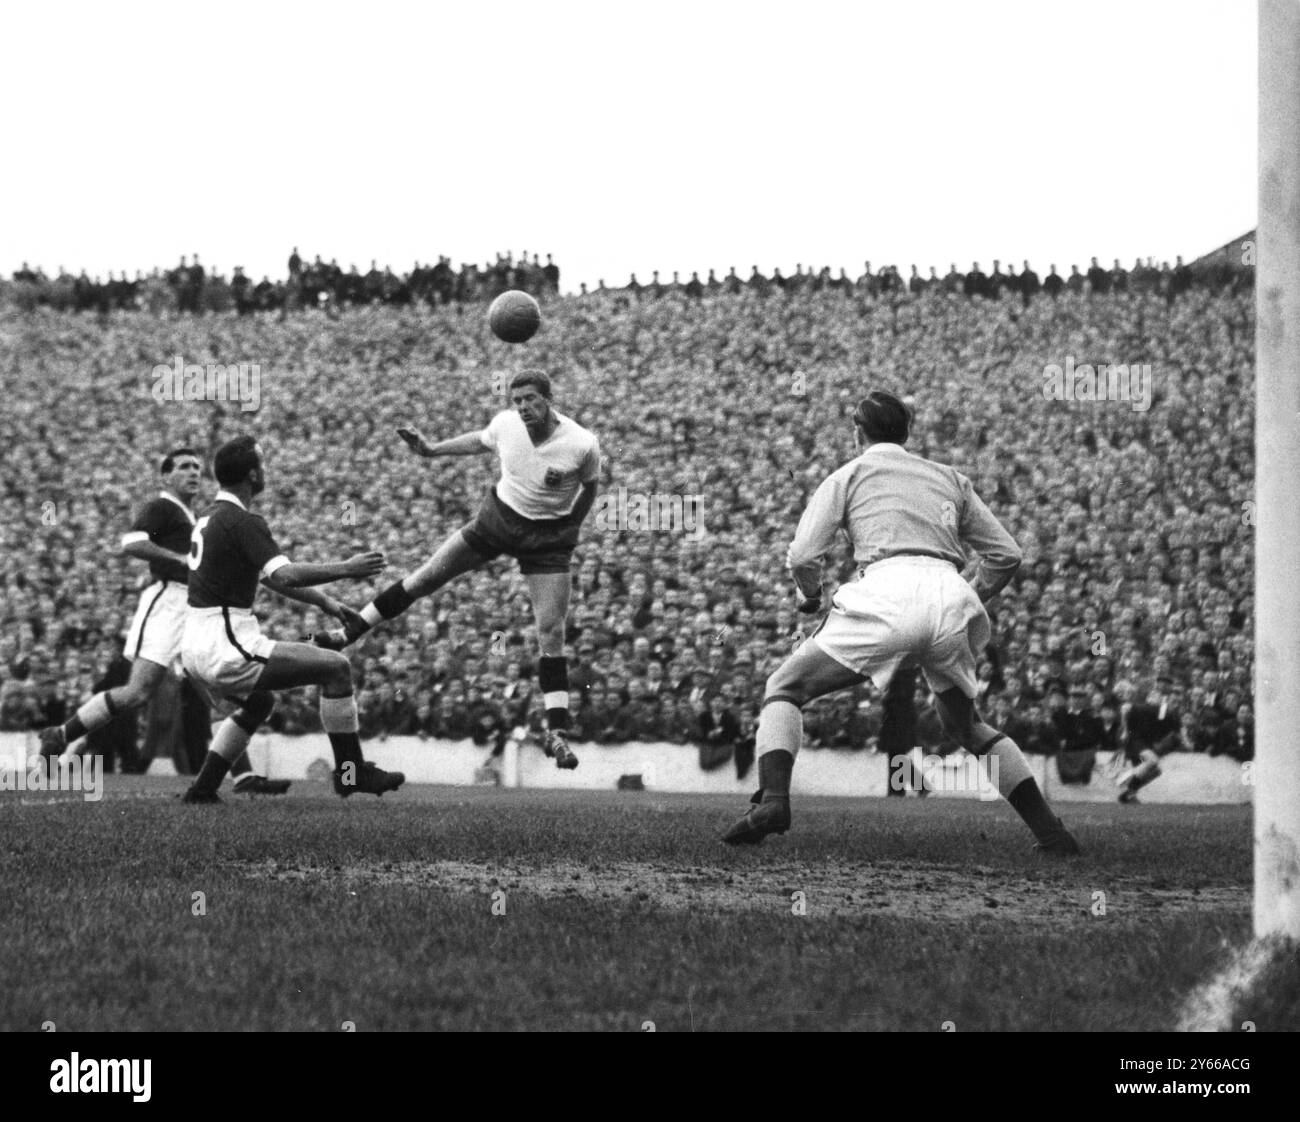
x=415, y=442
x=366, y=564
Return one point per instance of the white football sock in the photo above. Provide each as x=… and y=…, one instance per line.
x=230, y=740
x=780, y=728
x=95, y=714
x=339, y=714
x=1006, y=765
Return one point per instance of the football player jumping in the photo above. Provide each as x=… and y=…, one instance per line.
x=550, y=466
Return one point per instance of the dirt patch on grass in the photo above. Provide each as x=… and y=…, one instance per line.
x=909, y=890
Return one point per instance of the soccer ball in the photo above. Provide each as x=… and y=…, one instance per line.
x=514, y=317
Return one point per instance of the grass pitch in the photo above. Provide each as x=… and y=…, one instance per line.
x=453, y=908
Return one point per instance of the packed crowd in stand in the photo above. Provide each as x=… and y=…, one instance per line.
x=195, y=288
x=734, y=398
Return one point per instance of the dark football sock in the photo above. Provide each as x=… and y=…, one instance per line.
x=212, y=773
x=241, y=766
x=1138, y=782
x=898, y=733
x=393, y=601
x=553, y=677
x=1028, y=802
x=774, y=771
x=347, y=749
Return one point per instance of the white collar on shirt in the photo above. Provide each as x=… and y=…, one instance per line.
x=227, y=497
x=172, y=498
x=884, y=446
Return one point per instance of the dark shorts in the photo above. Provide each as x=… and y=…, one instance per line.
x=539, y=546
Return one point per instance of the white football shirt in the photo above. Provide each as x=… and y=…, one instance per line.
x=542, y=481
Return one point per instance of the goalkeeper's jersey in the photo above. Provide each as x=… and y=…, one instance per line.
x=891, y=503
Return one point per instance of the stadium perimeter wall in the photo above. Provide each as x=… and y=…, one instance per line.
x=1187, y=778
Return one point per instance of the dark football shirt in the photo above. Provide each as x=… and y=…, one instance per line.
x=168, y=523
x=229, y=552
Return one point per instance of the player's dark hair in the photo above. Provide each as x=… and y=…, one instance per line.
x=235, y=459
x=169, y=460
x=882, y=416
x=533, y=378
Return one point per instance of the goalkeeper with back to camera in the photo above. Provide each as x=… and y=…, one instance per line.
x=550, y=466
x=907, y=519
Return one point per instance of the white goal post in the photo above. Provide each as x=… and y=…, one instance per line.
x=1277, y=476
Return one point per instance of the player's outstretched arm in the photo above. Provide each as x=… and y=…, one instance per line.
x=467, y=444
x=316, y=598
x=303, y=574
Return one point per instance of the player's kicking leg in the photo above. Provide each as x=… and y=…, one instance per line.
x=806, y=675
x=290, y=665
x=146, y=677
x=454, y=557
x=229, y=744
x=549, y=589
x=550, y=595
x=1006, y=766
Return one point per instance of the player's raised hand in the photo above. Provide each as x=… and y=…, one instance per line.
x=415, y=442
x=367, y=564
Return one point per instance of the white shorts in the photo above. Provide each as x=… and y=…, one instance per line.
x=908, y=611
x=223, y=652
x=159, y=623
